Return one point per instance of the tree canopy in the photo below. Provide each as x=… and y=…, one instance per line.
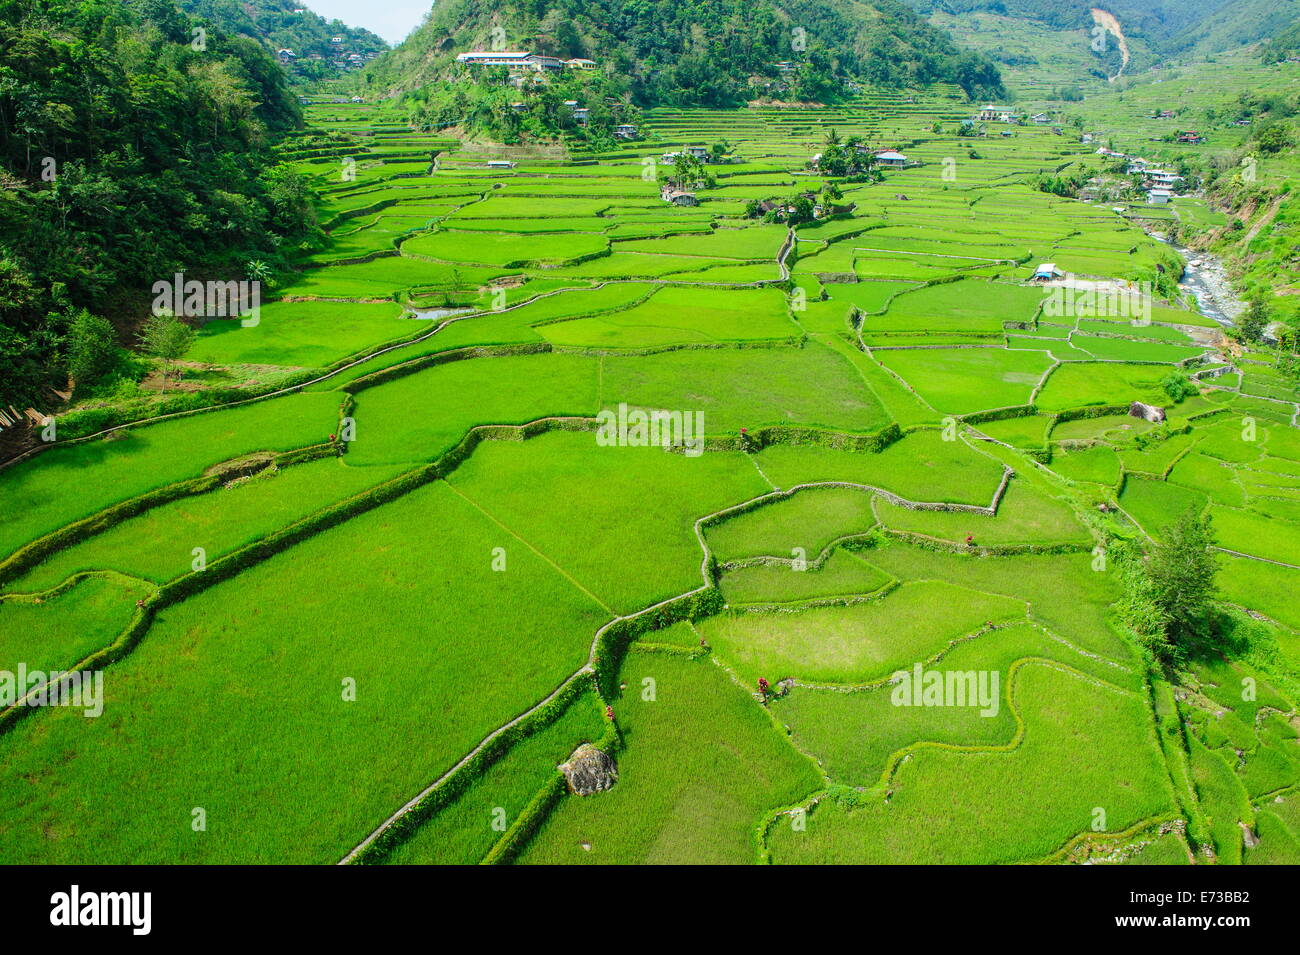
x=131, y=147
x=699, y=52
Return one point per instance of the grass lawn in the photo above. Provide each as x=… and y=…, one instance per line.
x=1077, y=385
x=64, y=628
x=1157, y=504
x=158, y=544
x=619, y=520
x=418, y=417
x=463, y=832
x=1026, y=515
x=854, y=734
x=1097, y=465
x=843, y=574
x=507, y=249
x=682, y=316
x=919, y=467
x=964, y=305
x=747, y=387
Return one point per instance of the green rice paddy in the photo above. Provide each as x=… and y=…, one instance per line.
x=431, y=568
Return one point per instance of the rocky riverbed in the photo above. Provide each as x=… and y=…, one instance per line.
x=1206, y=278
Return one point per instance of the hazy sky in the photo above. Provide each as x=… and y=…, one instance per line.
x=391, y=19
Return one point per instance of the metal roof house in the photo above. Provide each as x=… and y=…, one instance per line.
x=679, y=197
x=510, y=60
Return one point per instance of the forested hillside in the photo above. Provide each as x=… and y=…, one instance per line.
x=1285, y=44
x=130, y=148
x=706, y=52
x=1235, y=24
x=289, y=25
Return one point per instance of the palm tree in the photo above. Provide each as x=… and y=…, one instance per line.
x=259, y=271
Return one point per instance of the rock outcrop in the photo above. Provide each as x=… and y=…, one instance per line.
x=589, y=770
x=1147, y=412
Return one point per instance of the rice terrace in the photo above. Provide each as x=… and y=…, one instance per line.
x=825, y=468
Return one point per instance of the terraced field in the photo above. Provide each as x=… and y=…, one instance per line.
x=560, y=463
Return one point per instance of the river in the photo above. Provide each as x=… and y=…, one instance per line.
x=1206, y=279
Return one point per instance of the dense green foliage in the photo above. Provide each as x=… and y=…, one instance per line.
x=1285, y=44
x=1169, y=592
x=709, y=52
x=849, y=159
x=486, y=104
x=126, y=155
x=288, y=25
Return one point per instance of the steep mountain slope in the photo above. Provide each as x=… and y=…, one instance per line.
x=1285, y=44
x=1171, y=27
x=1156, y=18
x=1236, y=24
x=289, y=25
x=706, y=52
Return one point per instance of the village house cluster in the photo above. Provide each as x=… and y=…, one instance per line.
x=669, y=191
x=519, y=60
x=989, y=113
x=1160, y=185
x=338, y=58
x=885, y=158
x=524, y=68
x=581, y=116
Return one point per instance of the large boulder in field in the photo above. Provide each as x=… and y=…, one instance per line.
x=589, y=770
x=1147, y=412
